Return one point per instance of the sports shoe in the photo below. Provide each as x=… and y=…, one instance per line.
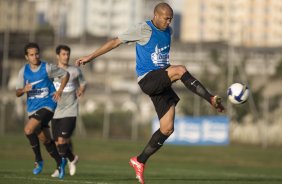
x=55, y=173
x=62, y=168
x=139, y=169
x=216, y=103
x=72, y=165
x=38, y=167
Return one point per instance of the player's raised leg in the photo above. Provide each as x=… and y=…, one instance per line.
x=179, y=72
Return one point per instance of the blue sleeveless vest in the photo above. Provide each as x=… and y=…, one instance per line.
x=155, y=54
x=42, y=90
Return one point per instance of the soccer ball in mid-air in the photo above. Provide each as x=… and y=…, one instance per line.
x=238, y=93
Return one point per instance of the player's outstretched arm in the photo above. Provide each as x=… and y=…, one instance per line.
x=108, y=46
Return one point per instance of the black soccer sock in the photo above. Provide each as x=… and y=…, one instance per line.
x=71, y=146
x=34, y=142
x=52, y=150
x=195, y=86
x=154, y=144
x=69, y=154
x=63, y=149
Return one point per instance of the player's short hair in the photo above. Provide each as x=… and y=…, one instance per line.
x=162, y=6
x=62, y=47
x=31, y=45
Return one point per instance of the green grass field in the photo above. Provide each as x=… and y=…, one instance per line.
x=106, y=162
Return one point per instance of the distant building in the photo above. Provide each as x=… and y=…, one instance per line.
x=103, y=18
x=110, y=17
x=250, y=23
x=253, y=23
x=17, y=15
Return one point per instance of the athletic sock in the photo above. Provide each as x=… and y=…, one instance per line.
x=154, y=144
x=63, y=149
x=70, y=145
x=70, y=154
x=34, y=142
x=52, y=150
x=195, y=86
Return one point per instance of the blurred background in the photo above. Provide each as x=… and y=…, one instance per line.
x=220, y=42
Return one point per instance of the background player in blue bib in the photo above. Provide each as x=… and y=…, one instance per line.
x=35, y=79
x=156, y=75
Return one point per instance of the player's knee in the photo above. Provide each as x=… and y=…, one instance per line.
x=181, y=70
x=168, y=131
x=27, y=131
x=62, y=140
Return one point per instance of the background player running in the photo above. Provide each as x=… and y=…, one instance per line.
x=64, y=120
x=35, y=80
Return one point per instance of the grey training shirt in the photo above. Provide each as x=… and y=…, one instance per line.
x=68, y=104
x=140, y=33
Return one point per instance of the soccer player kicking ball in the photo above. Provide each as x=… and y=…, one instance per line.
x=35, y=80
x=64, y=120
x=155, y=76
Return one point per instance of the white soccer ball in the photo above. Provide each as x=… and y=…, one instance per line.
x=238, y=93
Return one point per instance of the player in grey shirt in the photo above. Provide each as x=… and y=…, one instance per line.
x=64, y=120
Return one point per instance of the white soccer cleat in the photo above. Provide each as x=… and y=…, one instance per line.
x=55, y=174
x=72, y=165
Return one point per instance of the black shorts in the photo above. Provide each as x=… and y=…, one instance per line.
x=157, y=85
x=63, y=127
x=44, y=116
